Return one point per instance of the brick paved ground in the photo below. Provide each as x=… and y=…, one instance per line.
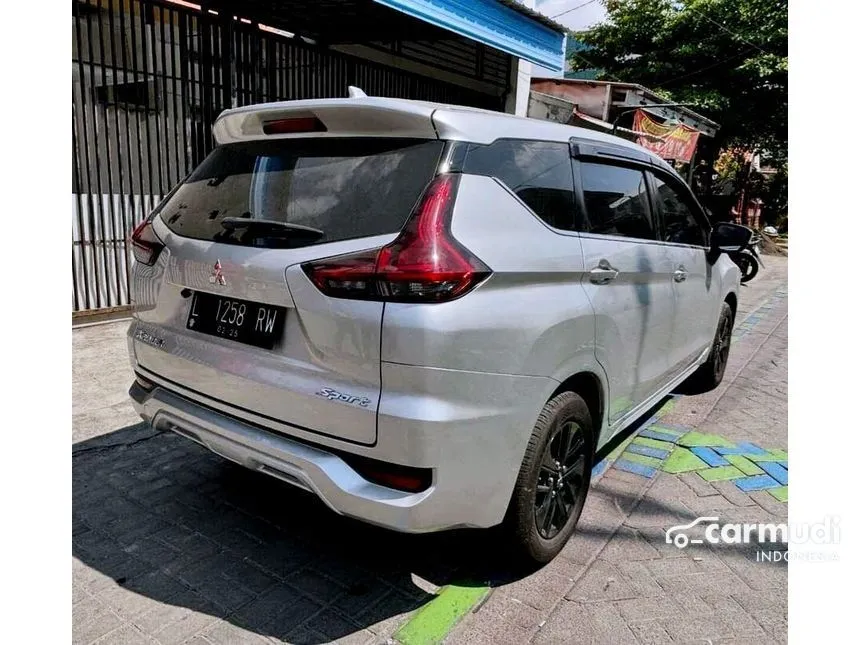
x=100, y=378
x=617, y=581
x=172, y=544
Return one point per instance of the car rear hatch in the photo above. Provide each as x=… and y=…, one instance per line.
x=227, y=311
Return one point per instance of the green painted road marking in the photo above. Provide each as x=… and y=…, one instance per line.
x=654, y=443
x=642, y=459
x=743, y=464
x=681, y=461
x=656, y=427
x=773, y=455
x=620, y=448
x=666, y=409
x=432, y=623
x=693, y=439
x=721, y=473
x=612, y=456
x=780, y=493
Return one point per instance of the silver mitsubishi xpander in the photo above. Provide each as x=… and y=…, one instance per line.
x=428, y=316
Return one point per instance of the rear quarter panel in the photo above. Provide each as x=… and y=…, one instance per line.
x=530, y=318
x=730, y=279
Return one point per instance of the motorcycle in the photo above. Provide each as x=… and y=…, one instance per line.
x=748, y=258
x=747, y=254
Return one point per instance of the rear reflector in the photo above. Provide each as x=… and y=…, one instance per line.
x=423, y=264
x=146, y=384
x=405, y=478
x=294, y=126
x=145, y=243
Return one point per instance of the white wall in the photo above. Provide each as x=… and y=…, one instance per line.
x=521, y=80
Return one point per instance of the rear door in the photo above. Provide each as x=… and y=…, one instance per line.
x=695, y=286
x=239, y=323
x=628, y=281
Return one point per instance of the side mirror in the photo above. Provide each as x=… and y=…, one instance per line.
x=727, y=237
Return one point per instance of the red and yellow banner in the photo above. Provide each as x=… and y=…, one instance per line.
x=673, y=141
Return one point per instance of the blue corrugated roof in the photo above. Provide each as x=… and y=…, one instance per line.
x=501, y=24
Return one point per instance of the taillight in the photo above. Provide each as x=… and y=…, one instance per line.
x=145, y=243
x=423, y=264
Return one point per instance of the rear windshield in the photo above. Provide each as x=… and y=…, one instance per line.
x=347, y=188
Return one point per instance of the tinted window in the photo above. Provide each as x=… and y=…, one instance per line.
x=346, y=187
x=616, y=201
x=679, y=223
x=539, y=172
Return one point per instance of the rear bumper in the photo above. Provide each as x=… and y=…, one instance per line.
x=313, y=469
x=475, y=456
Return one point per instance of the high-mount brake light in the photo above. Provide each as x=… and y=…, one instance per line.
x=294, y=126
x=423, y=264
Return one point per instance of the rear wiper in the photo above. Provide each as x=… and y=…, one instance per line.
x=270, y=227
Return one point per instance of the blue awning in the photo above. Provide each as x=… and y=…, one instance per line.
x=501, y=24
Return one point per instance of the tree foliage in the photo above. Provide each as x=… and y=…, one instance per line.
x=729, y=57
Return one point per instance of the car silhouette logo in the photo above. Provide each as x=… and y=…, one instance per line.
x=217, y=276
x=680, y=539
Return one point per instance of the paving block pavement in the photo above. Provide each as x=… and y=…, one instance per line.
x=229, y=556
x=634, y=587
x=172, y=544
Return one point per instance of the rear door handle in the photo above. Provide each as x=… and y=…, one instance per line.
x=603, y=273
x=680, y=274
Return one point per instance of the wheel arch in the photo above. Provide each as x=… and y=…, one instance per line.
x=589, y=386
x=732, y=300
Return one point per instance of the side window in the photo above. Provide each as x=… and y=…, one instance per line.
x=538, y=172
x=616, y=201
x=679, y=223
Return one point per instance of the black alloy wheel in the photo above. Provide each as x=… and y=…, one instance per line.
x=561, y=483
x=722, y=344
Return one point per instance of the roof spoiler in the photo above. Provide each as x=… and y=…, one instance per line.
x=356, y=116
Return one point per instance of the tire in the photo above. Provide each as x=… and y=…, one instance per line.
x=710, y=373
x=544, y=510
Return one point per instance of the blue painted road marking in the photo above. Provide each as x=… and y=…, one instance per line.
x=756, y=482
x=709, y=456
x=776, y=471
x=648, y=451
x=661, y=436
x=636, y=469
